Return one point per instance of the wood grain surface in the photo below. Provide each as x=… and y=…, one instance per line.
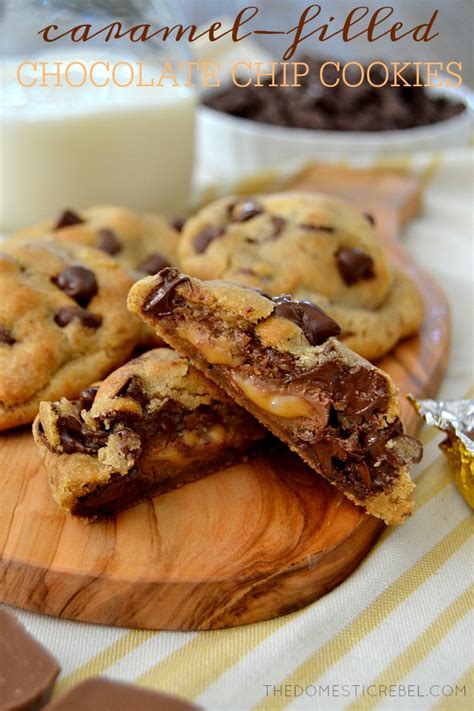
x=252, y=542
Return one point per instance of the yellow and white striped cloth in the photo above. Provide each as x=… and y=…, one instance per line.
x=396, y=634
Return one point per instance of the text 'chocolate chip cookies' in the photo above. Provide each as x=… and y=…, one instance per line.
x=310, y=246
x=63, y=323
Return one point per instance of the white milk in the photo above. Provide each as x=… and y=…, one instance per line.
x=74, y=147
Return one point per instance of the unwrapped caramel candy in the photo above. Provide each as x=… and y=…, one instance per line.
x=456, y=418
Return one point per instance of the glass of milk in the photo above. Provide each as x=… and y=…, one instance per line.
x=83, y=124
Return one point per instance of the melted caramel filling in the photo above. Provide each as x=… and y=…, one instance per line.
x=287, y=406
x=215, y=352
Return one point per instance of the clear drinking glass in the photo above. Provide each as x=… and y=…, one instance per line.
x=93, y=128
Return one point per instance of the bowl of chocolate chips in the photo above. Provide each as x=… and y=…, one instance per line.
x=355, y=113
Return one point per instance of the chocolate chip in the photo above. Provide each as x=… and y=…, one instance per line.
x=127, y=442
x=317, y=228
x=370, y=218
x=316, y=325
x=153, y=263
x=133, y=388
x=67, y=219
x=354, y=265
x=87, y=397
x=77, y=282
x=108, y=241
x=278, y=224
x=246, y=210
x=66, y=314
x=178, y=223
x=6, y=336
x=204, y=238
x=159, y=301
x=357, y=389
x=77, y=438
x=364, y=474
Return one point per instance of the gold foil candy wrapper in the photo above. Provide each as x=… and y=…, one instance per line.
x=456, y=418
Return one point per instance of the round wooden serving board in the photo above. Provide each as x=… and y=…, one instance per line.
x=249, y=543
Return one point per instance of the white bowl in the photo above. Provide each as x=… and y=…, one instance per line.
x=231, y=147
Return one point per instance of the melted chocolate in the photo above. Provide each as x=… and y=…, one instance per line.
x=316, y=325
x=159, y=300
x=122, y=492
x=75, y=437
x=346, y=440
x=363, y=462
x=104, y=500
x=348, y=445
x=146, y=477
x=355, y=391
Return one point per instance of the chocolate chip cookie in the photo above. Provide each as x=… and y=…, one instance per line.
x=142, y=244
x=304, y=243
x=288, y=241
x=374, y=332
x=63, y=323
x=281, y=360
x=153, y=425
